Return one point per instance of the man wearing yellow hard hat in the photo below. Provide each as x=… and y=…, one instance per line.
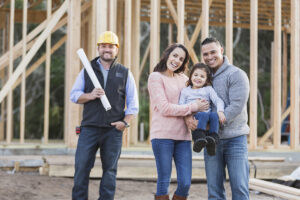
x=100, y=128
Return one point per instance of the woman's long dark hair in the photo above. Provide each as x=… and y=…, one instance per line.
x=203, y=67
x=162, y=64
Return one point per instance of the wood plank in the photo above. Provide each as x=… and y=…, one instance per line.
x=144, y=59
x=101, y=17
x=9, y=114
x=135, y=62
x=273, y=192
x=47, y=79
x=92, y=51
x=180, y=23
x=113, y=15
x=253, y=74
x=154, y=34
x=284, y=70
x=277, y=75
x=23, y=86
x=229, y=30
x=205, y=20
x=295, y=52
x=170, y=34
x=275, y=186
x=72, y=111
x=127, y=55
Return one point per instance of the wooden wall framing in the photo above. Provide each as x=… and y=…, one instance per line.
x=124, y=17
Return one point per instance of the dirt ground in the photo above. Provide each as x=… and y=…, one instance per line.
x=32, y=186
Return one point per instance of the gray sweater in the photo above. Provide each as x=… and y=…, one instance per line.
x=232, y=86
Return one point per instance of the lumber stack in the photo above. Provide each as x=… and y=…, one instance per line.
x=274, y=189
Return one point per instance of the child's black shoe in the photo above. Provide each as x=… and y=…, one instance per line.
x=199, y=140
x=212, y=141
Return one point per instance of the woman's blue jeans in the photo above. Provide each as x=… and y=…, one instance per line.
x=164, y=151
x=90, y=140
x=233, y=154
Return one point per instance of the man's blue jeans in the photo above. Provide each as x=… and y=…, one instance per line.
x=164, y=151
x=233, y=154
x=205, y=117
x=109, y=140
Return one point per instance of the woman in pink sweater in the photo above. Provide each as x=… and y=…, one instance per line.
x=170, y=136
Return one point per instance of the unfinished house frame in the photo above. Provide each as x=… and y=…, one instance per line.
x=85, y=19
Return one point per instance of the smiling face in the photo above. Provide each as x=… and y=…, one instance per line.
x=199, y=78
x=107, y=52
x=212, y=55
x=175, y=59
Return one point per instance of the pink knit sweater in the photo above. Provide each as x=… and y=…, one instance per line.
x=167, y=116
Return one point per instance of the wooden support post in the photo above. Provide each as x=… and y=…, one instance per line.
x=229, y=30
x=180, y=23
x=284, y=71
x=144, y=59
x=120, y=28
x=127, y=54
x=205, y=22
x=2, y=116
x=47, y=78
x=170, y=34
x=93, y=37
x=295, y=63
x=23, y=85
x=205, y=19
x=72, y=111
x=154, y=33
x=154, y=42
x=113, y=15
x=253, y=73
x=135, y=61
x=101, y=17
x=277, y=75
x=9, y=114
x=272, y=83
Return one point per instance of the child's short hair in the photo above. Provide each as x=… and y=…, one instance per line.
x=203, y=67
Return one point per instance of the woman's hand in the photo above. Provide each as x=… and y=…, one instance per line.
x=191, y=122
x=202, y=105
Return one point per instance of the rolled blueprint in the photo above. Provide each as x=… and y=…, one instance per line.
x=87, y=65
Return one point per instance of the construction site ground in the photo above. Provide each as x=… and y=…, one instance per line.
x=21, y=171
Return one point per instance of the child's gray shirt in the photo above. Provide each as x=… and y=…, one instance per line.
x=189, y=95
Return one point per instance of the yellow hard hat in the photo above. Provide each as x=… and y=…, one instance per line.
x=108, y=37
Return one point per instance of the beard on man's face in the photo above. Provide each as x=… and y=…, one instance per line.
x=107, y=58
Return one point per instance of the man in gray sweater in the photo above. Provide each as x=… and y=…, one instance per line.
x=232, y=86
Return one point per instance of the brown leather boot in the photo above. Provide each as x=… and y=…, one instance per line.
x=161, y=197
x=176, y=197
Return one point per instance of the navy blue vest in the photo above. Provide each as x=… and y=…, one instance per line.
x=94, y=113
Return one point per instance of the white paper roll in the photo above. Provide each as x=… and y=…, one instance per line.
x=87, y=65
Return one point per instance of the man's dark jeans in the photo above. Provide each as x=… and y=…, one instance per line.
x=90, y=140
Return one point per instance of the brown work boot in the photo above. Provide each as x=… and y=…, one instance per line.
x=176, y=197
x=161, y=197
